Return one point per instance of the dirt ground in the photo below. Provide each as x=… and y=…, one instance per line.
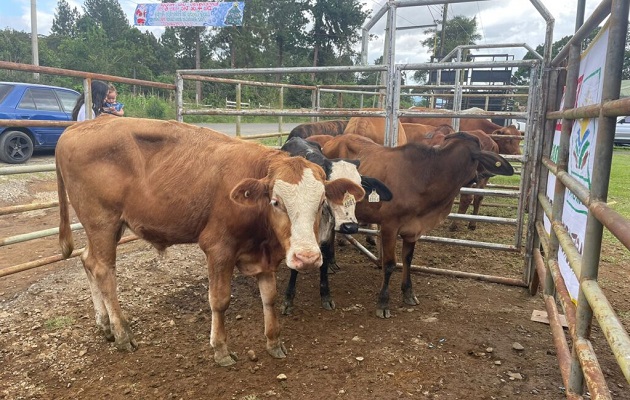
x=466, y=340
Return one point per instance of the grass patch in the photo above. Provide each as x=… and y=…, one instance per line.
x=618, y=196
x=56, y=323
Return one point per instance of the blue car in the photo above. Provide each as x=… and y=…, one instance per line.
x=27, y=101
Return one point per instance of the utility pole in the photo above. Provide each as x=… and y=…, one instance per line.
x=34, y=37
x=441, y=53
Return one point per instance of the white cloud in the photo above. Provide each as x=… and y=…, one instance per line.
x=498, y=21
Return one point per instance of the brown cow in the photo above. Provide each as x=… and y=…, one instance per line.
x=246, y=205
x=480, y=182
x=424, y=181
x=319, y=139
x=507, y=145
x=415, y=133
x=427, y=134
x=373, y=128
x=332, y=128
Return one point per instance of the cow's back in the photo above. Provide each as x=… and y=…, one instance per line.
x=373, y=128
x=146, y=170
x=332, y=128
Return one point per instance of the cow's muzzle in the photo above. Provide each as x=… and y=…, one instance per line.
x=305, y=260
x=349, y=228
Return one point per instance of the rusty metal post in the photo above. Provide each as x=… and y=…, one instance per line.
x=281, y=106
x=87, y=98
x=601, y=177
x=389, y=77
x=179, y=97
x=238, y=107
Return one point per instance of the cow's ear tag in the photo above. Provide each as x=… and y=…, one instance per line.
x=348, y=200
x=374, y=197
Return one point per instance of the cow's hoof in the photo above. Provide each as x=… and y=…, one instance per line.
x=277, y=351
x=287, y=308
x=383, y=313
x=226, y=361
x=109, y=336
x=127, y=344
x=333, y=267
x=411, y=299
x=328, y=304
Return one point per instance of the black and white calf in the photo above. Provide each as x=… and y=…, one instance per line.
x=338, y=217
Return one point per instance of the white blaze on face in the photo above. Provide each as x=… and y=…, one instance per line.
x=302, y=202
x=344, y=213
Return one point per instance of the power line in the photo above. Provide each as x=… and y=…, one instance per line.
x=481, y=24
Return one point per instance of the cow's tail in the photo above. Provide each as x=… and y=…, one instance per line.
x=65, y=232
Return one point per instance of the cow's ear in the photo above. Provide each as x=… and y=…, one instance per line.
x=249, y=191
x=336, y=190
x=494, y=163
x=370, y=184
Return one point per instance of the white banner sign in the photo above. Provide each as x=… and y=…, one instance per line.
x=581, y=152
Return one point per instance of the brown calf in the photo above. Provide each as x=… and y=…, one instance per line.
x=246, y=205
x=507, y=145
x=424, y=181
x=373, y=128
x=332, y=128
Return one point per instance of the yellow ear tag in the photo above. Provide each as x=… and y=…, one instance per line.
x=374, y=197
x=348, y=200
x=497, y=164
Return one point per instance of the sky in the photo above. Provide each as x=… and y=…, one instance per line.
x=498, y=21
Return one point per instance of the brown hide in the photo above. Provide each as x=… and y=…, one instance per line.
x=321, y=140
x=424, y=181
x=373, y=128
x=348, y=146
x=170, y=183
x=332, y=128
x=427, y=134
x=506, y=145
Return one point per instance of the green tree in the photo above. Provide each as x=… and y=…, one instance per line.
x=521, y=76
x=15, y=46
x=458, y=31
x=65, y=20
x=109, y=16
x=336, y=24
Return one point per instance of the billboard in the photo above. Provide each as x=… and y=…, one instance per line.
x=190, y=14
x=581, y=152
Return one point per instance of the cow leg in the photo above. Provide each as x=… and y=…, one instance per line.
x=464, y=203
x=407, y=288
x=101, y=315
x=472, y=225
x=100, y=266
x=289, y=294
x=388, y=263
x=219, y=288
x=369, y=239
x=328, y=256
x=267, y=287
x=332, y=264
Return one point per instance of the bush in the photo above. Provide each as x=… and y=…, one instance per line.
x=155, y=109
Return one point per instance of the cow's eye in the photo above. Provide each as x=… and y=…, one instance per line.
x=274, y=202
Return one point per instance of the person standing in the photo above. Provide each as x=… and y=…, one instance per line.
x=99, y=93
